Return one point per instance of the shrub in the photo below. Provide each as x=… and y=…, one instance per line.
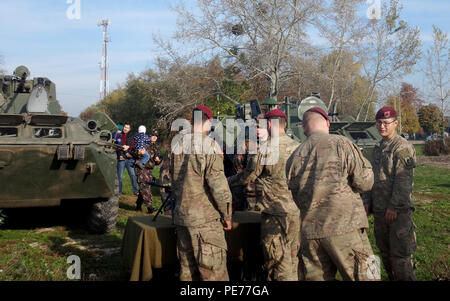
x=436, y=147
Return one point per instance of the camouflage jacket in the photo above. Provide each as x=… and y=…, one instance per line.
x=270, y=180
x=327, y=174
x=393, y=167
x=153, y=151
x=198, y=182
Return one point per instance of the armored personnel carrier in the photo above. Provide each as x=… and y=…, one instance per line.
x=49, y=159
x=362, y=133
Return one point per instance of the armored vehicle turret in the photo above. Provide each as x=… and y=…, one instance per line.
x=362, y=133
x=47, y=158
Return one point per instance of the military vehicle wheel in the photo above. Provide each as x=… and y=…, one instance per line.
x=102, y=216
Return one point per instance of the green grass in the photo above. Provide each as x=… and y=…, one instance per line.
x=432, y=201
x=432, y=218
x=38, y=250
x=127, y=188
x=420, y=150
x=27, y=255
x=35, y=252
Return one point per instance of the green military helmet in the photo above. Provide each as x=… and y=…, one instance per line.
x=269, y=104
x=270, y=101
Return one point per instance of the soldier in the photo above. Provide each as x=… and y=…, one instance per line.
x=326, y=174
x=393, y=165
x=202, y=202
x=244, y=197
x=280, y=218
x=145, y=176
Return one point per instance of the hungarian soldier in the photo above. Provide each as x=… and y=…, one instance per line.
x=326, y=174
x=202, y=201
x=391, y=203
x=280, y=217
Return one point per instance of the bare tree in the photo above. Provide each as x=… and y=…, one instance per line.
x=437, y=71
x=257, y=36
x=390, y=50
x=344, y=30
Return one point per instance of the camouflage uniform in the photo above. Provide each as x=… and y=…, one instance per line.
x=164, y=174
x=327, y=173
x=202, y=203
x=280, y=218
x=393, y=166
x=243, y=195
x=145, y=176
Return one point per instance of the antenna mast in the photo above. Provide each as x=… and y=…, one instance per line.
x=104, y=67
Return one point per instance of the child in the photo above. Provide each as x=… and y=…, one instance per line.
x=140, y=141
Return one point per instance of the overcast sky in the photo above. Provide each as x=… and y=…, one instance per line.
x=40, y=35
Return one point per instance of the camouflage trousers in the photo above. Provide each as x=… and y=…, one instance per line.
x=397, y=244
x=202, y=252
x=280, y=242
x=350, y=254
x=143, y=177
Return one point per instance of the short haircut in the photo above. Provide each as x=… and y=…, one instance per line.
x=316, y=115
x=281, y=121
x=126, y=123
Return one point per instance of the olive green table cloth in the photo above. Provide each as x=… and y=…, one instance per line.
x=147, y=244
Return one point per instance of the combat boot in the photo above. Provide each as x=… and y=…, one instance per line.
x=139, y=203
x=150, y=209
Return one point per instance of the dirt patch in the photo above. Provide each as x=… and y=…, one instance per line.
x=129, y=199
x=37, y=245
x=44, y=230
x=438, y=161
x=84, y=245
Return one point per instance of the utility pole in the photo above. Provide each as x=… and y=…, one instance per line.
x=104, y=67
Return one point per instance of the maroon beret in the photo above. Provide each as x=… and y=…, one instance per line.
x=320, y=111
x=206, y=110
x=385, y=113
x=275, y=113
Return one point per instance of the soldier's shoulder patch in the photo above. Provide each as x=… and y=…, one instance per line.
x=406, y=157
x=410, y=163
